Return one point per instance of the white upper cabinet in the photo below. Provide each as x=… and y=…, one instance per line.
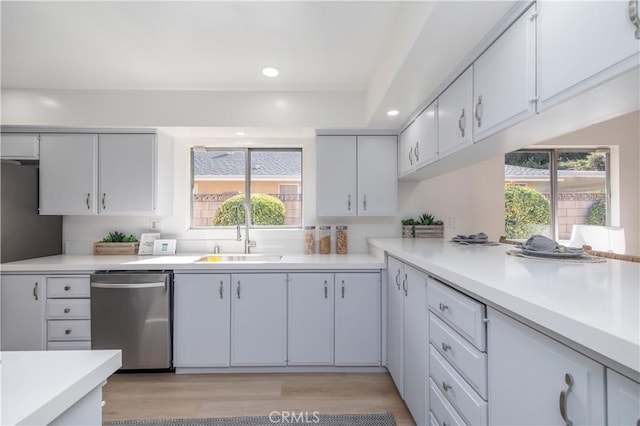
x=582, y=45
x=68, y=174
x=356, y=175
x=455, y=112
x=19, y=146
x=126, y=173
x=418, y=143
x=504, y=79
x=111, y=174
x=377, y=176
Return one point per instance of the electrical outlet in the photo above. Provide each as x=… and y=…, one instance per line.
x=154, y=224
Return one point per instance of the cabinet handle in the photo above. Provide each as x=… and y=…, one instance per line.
x=221, y=291
x=342, y=289
x=88, y=198
x=326, y=290
x=443, y=307
x=478, y=112
x=35, y=290
x=349, y=202
x=445, y=347
x=416, y=152
x=405, y=285
x=568, y=380
x=67, y=288
x=67, y=331
x=364, y=202
x=238, y=289
x=67, y=310
x=398, y=279
x=104, y=206
x=411, y=156
x=633, y=16
x=446, y=386
x=461, y=123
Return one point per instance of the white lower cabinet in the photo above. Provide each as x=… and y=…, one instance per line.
x=68, y=312
x=23, y=312
x=202, y=320
x=310, y=319
x=357, y=319
x=536, y=380
x=623, y=400
x=258, y=319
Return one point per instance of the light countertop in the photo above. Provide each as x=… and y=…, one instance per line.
x=88, y=263
x=38, y=386
x=596, y=305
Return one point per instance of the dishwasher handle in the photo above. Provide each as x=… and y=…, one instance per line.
x=128, y=286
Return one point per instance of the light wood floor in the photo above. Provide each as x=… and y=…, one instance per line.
x=164, y=395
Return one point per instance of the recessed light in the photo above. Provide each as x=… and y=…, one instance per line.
x=241, y=133
x=270, y=72
x=393, y=112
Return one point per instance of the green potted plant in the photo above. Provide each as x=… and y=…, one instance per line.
x=116, y=243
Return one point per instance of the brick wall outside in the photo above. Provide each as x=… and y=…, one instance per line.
x=573, y=209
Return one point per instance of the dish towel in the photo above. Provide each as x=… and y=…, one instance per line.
x=543, y=244
x=480, y=236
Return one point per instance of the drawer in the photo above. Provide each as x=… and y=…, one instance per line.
x=441, y=408
x=69, y=330
x=83, y=345
x=432, y=419
x=468, y=403
x=463, y=313
x=68, y=287
x=68, y=308
x=466, y=358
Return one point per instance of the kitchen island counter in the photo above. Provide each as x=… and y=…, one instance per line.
x=592, y=306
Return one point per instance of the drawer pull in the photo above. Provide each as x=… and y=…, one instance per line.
x=446, y=386
x=568, y=380
x=326, y=290
x=35, y=290
x=67, y=310
x=445, y=347
x=67, y=288
x=67, y=331
x=443, y=307
x=221, y=289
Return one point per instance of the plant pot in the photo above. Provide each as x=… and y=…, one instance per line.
x=115, y=248
x=428, y=231
x=407, y=231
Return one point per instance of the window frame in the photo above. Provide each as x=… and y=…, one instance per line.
x=247, y=184
x=553, y=179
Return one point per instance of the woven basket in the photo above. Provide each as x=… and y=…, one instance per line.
x=115, y=248
x=428, y=231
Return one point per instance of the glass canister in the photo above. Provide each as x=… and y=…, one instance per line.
x=341, y=239
x=325, y=239
x=309, y=239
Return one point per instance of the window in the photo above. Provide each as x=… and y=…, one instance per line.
x=549, y=191
x=222, y=178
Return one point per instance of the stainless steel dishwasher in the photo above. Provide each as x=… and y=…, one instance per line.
x=131, y=311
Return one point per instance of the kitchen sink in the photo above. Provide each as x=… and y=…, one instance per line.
x=218, y=258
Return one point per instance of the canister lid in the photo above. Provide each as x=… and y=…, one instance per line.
x=325, y=227
x=341, y=228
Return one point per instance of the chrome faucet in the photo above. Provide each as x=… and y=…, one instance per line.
x=248, y=244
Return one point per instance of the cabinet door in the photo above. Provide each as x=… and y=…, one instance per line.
x=336, y=176
x=258, y=319
x=68, y=174
x=310, y=319
x=455, y=111
x=23, y=313
x=415, y=343
x=623, y=400
x=504, y=79
x=202, y=315
x=425, y=148
x=357, y=334
x=127, y=167
x=377, y=176
x=532, y=378
x=580, y=46
x=21, y=146
x=406, y=160
x=395, y=323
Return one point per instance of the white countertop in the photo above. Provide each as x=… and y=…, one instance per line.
x=596, y=305
x=88, y=263
x=38, y=386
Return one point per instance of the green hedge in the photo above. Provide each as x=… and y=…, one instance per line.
x=597, y=214
x=265, y=210
x=527, y=212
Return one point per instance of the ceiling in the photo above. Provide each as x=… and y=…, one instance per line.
x=391, y=54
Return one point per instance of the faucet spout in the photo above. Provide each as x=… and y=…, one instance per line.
x=237, y=217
